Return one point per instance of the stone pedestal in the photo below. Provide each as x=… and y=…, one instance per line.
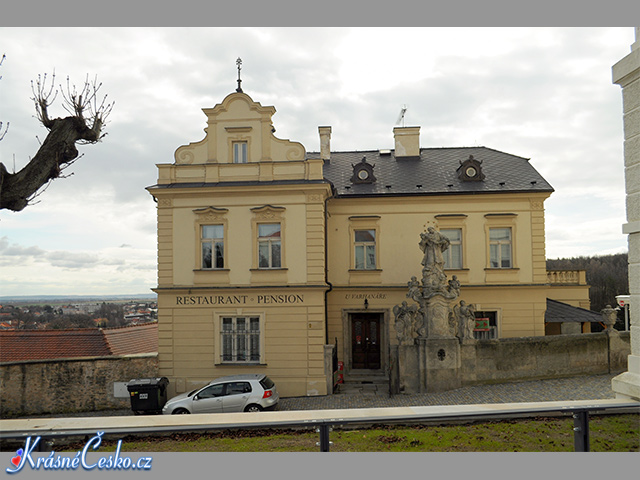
x=437, y=315
x=626, y=73
x=408, y=368
x=440, y=363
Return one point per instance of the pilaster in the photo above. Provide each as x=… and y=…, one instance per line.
x=626, y=73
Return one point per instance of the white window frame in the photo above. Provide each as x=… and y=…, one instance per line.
x=453, y=244
x=498, y=246
x=240, y=151
x=246, y=344
x=368, y=249
x=270, y=243
x=213, y=242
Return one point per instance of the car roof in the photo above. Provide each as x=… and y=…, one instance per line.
x=245, y=376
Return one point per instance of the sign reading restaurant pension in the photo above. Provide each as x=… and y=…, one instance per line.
x=239, y=299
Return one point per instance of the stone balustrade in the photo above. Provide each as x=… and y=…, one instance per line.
x=567, y=277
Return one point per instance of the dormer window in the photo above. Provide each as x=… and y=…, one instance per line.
x=470, y=170
x=363, y=172
x=239, y=152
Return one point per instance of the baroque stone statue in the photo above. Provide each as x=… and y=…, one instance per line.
x=433, y=243
x=433, y=316
x=609, y=316
x=414, y=289
x=406, y=319
x=465, y=315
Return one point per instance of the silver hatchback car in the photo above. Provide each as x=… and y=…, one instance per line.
x=235, y=393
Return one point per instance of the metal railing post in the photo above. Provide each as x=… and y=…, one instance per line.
x=581, y=431
x=325, y=444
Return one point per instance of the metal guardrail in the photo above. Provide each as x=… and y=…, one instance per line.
x=322, y=420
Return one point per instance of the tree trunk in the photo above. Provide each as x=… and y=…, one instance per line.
x=58, y=149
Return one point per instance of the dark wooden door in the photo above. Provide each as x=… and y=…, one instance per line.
x=365, y=340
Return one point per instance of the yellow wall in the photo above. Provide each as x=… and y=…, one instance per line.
x=517, y=295
x=293, y=340
x=288, y=300
x=400, y=221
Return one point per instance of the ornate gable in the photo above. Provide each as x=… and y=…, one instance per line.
x=238, y=120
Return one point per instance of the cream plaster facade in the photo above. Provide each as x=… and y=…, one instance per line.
x=626, y=73
x=304, y=289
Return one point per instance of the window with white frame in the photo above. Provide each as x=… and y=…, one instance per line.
x=212, y=241
x=500, y=251
x=365, y=249
x=269, y=245
x=240, y=339
x=239, y=152
x=453, y=254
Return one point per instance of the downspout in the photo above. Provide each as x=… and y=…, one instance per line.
x=326, y=263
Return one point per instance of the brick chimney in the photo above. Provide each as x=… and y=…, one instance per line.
x=325, y=142
x=407, y=141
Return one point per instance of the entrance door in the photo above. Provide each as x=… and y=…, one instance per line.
x=365, y=340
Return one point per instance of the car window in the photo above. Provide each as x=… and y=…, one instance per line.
x=211, y=391
x=267, y=383
x=236, y=388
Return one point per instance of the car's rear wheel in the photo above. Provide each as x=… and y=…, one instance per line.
x=180, y=411
x=253, y=408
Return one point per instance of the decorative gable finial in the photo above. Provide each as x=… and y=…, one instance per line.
x=239, y=64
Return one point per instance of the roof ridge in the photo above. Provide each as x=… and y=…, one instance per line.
x=122, y=327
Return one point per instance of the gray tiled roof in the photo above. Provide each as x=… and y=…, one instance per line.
x=562, y=312
x=435, y=171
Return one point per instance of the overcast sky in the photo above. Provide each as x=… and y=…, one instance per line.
x=540, y=93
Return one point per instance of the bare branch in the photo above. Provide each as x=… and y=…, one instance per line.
x=58, y=151
x=6, y=129
x=84, y=105
x=42, y=98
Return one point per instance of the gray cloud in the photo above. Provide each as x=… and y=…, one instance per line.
x=544, y=94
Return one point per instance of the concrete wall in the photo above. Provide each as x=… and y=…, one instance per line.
x=75, y=385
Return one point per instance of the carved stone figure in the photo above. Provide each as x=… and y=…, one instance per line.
x=414, y=289
x=454, y=286
x=609, y=316
x=432, y=244
x=405, y=317
x=466, y=319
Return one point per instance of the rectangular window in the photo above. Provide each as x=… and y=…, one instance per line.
x=212, y=241
x=453, y=254
x=269, y=245
x=365, y=249
x=240, y=339
x=239, y=152
x=486, y=326
x=500, y=247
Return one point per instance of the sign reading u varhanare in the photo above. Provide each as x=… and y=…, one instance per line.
x=278, y=299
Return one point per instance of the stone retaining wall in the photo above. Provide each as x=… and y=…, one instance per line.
x=530, y=358
x=512, y=360
x=69, y=385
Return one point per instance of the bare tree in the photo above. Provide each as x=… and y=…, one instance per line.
x=84, y=125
